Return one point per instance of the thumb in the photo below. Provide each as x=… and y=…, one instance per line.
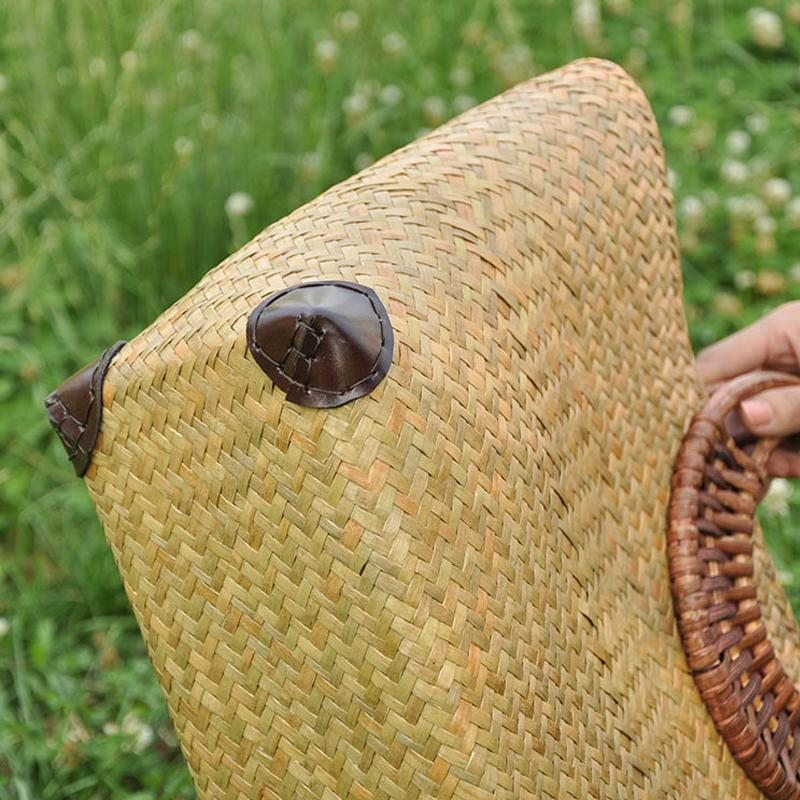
x=775, y=412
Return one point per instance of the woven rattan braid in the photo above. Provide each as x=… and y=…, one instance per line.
x=456, y=585
x=716, y=487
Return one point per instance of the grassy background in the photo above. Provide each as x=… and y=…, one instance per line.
x=125, y=128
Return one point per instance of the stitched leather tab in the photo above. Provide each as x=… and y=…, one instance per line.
x=323, y=342
x=75, y=410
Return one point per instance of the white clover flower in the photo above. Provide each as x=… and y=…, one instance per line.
x=393, y=44
x=97, y=67
x=77, y=731
x=129, y=61
x=363, y=160
x=777, y=192
x=191, y=40
x=473, y=32
x=765, y=226
x=766, y=28
x=673, y=179
x=757, y=124
x=167, y=735
x=355, y=105
x=348, y=21
x=726, y=87
x=793, y=212
x=327, y=53
x=689, y=241
x=390, y=95
x=738, y=142
x=770, y=282
x=794, y=273
x=369, y=87
x=140, y=732
x=734, y=171
x=208, y=121
x=586, y=18
x=110, y=728
x=754, y=207
x=776, y=500
x=434, y=110
x=744, y=279
x=311, y=165
x=514, y=64
x=680, y=116
x=461, y=76
x=238, y=204
x=463, y=102
x=747, y=207
x=727, y=304
x=618, y=7
x=183, y=147
x=703, y=136
x=710, y=198
x=4, y=627
x=636, y=60
x=692, y=209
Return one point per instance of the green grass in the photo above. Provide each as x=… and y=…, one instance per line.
x=124, y=127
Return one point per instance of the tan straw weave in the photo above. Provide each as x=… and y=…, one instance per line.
x=457, y=585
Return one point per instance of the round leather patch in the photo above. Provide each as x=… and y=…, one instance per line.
x=324, y=343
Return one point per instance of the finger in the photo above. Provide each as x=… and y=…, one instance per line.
x=775, y=412
x=773, y=342
x=784, y=463
x=738, y=353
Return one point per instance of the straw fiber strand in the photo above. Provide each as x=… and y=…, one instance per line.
x=456, y=586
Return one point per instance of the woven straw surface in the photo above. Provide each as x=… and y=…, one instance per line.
x=456, y=586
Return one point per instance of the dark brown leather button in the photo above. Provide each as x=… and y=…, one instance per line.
x=75, y=410
x=324, y=342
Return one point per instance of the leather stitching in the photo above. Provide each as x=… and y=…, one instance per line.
x=302, y=332
x=74, y=443
x=76, y=449
x=381, y=321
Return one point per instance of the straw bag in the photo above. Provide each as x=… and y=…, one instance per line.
x=389, y=489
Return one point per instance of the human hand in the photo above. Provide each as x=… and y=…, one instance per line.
x=773, y=342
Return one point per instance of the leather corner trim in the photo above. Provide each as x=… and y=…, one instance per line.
x=324, y=343
x=75, y=409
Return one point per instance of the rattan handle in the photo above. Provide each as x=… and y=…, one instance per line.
x=716, y=485
x=730, y=394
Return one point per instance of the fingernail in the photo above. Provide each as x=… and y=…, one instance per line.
x=757, y=412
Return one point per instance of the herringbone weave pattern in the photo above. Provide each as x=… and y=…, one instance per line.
x=456, y=586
